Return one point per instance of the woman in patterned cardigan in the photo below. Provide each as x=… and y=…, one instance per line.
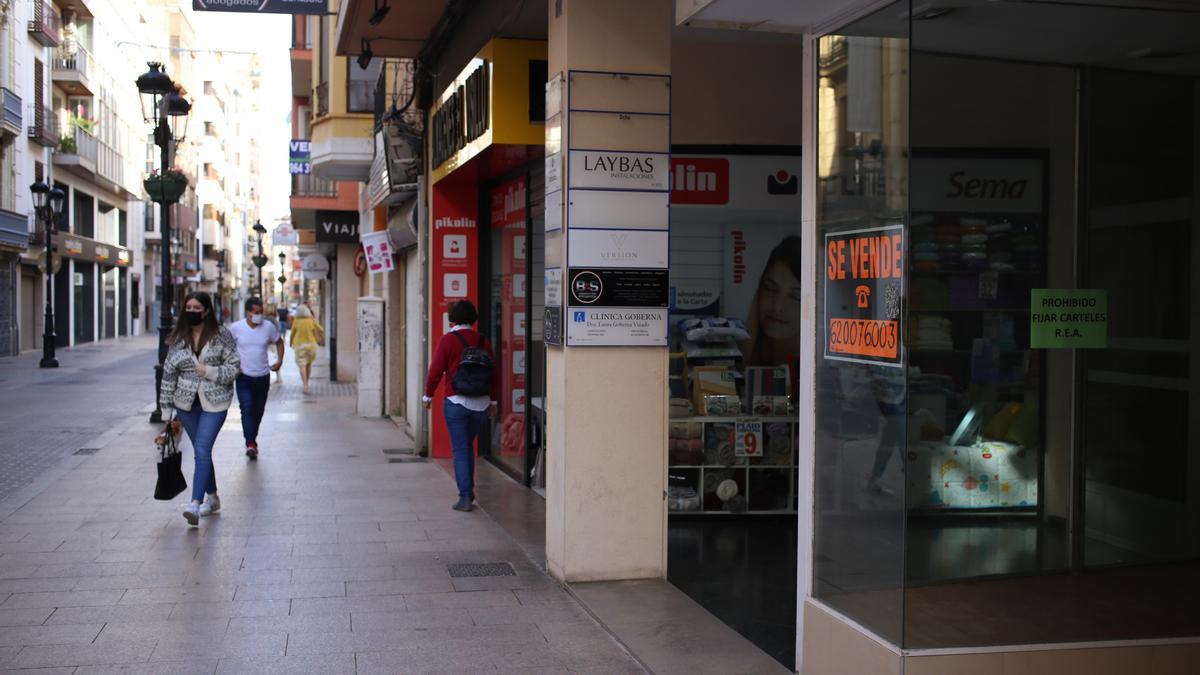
x=197, y=382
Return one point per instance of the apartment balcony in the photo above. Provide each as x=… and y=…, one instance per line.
x=75, y=72
x=77, y=151
x=14, y=229
x=41, y=127
x=310, y=186
x=11, y=121
x=45, y=26
x=301, y=58
x=110, y=168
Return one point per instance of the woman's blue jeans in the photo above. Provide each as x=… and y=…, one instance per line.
x=202, y=428
x=464, y=425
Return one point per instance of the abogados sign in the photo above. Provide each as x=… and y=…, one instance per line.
x=263, y=6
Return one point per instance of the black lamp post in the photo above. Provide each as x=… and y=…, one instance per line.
x=167, y=110
x=260, y=260
x=48, y=205
x=282, y=278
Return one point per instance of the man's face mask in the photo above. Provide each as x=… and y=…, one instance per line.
x=254, y=317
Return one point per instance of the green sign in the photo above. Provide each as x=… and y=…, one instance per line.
x=1068, y=318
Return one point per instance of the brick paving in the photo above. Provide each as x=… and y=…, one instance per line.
x=326, y=558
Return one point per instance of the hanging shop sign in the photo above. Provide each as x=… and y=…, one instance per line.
x=285, y=235
x=496, y=99
x=300, y=157
x=337, y=227
x=1068, y=318
x=378, y=252
x=263, y=6
x=864, y=279
x=613, y=170
x=90, y=250
x=315, y=267
x=619, y=288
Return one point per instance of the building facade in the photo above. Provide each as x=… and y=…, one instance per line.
x=826, y=313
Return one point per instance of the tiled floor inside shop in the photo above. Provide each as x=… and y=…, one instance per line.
x=743, y=570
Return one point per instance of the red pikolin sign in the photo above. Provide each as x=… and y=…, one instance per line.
x=864, y=282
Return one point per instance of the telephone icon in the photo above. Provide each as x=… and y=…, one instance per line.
x=864, y=296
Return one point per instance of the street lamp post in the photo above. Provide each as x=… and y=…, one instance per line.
x=260, y=260
x=163, y=106
x=48, y=204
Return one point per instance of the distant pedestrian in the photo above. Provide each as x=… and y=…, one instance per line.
x=466, y=360
x=306, y=335
x=197, y=382
x=255, y=337
x=284, y=318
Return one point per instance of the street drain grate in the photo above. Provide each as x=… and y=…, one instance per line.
x=398, y=451
x=462, y=570
x=404, y=460
x=87, y=451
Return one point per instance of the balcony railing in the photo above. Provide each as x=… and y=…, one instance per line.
x=46, y=26
x=12, y=111
x=41, y=127
x=110, y=164
x=77, y=63
x=322, y=96
x=307, y=185
x=76, y=141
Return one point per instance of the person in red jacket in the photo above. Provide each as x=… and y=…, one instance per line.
x=465, y=415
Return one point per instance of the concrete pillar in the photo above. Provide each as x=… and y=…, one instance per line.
x=370, y=356
x=606, y=511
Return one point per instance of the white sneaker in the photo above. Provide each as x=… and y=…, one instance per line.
x=210, y=506
x=191, y=513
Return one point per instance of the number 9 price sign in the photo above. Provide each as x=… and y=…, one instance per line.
x=748, y=436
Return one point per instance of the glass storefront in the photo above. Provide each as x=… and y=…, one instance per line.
x=1004, y=318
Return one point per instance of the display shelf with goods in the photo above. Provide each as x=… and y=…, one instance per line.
x=975, y=387
x=739, y=454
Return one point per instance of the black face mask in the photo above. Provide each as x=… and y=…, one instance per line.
x=194, y=318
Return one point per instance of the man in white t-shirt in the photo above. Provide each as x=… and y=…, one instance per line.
x=254, y=339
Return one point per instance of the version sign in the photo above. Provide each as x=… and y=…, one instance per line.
x=864, y=280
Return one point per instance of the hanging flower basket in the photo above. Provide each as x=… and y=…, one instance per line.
x=166, y=188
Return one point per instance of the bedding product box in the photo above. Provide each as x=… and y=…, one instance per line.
x=711, y=381
x=985, y=475
x=770, y=383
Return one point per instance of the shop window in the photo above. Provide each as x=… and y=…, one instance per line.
x=861, y=383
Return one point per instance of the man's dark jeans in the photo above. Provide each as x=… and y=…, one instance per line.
x=252, y=397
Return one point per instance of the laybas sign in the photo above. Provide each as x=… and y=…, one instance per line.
x=864, y=280
x=1068, y=318
x=262, y=6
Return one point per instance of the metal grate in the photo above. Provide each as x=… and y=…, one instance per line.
x=87, y=451
x=398, y=451
x=404, y=460
x=461, y=570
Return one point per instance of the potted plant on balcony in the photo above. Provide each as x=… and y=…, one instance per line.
x=165, y=187
x=66, y=146
x=87, y=124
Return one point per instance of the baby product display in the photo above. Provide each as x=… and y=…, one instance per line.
x=973, y=431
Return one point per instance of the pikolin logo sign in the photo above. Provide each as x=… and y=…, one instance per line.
x=618, y=252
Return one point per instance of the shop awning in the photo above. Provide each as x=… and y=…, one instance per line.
x=784, y=16
x=401, y=34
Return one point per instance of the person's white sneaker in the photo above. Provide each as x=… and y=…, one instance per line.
x=191, y=513
x=210, y=506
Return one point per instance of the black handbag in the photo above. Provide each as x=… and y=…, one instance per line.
x=170, y=465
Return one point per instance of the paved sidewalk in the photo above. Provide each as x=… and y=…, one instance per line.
x=329, y=556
